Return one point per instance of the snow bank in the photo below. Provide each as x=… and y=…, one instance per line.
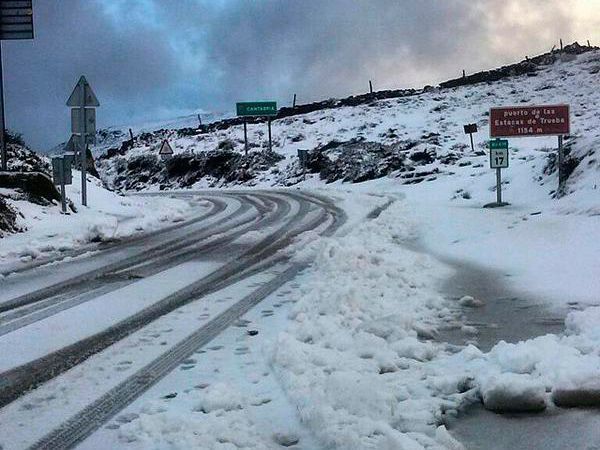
x=354, y=360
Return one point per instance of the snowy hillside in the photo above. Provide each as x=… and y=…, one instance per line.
x=410, y=138
x=114, y=136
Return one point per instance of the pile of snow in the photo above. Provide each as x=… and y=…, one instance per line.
x=355, y=359
x=529, y=375
x=219, y=422
x=48, y=232
x=359, y=362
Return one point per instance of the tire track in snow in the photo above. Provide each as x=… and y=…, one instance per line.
x=217, y=207
x=26, y=377
x=108, y=281
x=84, y=423
x=80, y=282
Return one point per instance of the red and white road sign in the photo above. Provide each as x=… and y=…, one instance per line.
x=543, y=120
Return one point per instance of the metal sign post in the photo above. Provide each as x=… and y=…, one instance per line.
x=471, y=128
x=16, y=22
x=256, y=109
x=245, y=138
x=561, y=163
x=83, y=124
x=61, y=174
x=499, y=186
x=270, y=144
x=82, y=146
x=498, y=161
x=303, y=157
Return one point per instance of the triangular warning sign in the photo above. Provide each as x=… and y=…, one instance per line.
x=165, y=148
x=82, y=95
x=73, y=145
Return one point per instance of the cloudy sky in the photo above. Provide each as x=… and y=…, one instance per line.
x=157, y=59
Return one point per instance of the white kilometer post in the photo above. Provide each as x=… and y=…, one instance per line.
x=499, y=161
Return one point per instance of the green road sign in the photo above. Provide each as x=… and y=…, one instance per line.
x=256, y=108
x=499, y=144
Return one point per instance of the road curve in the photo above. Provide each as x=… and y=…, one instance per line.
x=284, y=214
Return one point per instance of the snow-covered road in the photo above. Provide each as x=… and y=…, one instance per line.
x=69, y=319
x=255, y=326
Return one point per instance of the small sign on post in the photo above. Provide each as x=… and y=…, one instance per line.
x=471, y=128
x=256, y=109
x=498, y=161
x=83, y=119
x=499, y=154
x=303, y=157
x=61, y=175
x=166, y=151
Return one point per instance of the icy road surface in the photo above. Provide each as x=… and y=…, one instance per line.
x=143, y=307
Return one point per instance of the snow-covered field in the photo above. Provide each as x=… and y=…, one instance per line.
x=428, y=123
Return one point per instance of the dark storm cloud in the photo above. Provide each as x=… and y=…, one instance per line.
x=128, y=67
x=149, y=59
x=319, y=48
